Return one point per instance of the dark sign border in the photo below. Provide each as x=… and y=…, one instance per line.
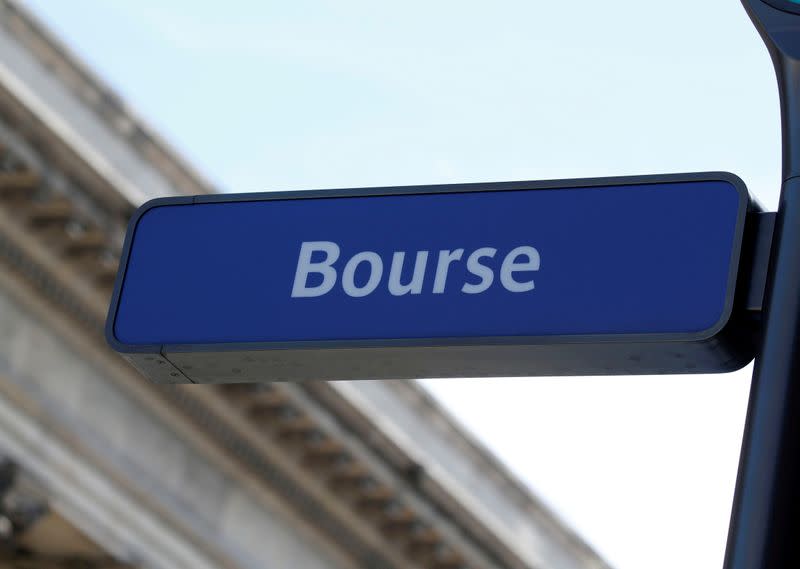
x=711, y=344
x=784, y=5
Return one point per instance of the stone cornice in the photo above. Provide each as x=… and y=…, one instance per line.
x=62, y=218
x=102, y=100
x=338, y=492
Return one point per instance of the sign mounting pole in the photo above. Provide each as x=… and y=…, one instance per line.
x=766, y=510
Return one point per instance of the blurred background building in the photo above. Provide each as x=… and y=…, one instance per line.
x=101, y=469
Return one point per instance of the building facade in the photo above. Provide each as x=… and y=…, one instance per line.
x=101, y=469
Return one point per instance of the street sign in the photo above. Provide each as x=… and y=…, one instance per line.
x=576, y=277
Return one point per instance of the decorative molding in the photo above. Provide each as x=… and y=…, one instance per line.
x=104, y=102
x=62, y=219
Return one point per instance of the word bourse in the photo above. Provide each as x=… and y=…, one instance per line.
x=514, y=271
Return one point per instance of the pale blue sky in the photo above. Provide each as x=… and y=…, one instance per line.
x=313, y=94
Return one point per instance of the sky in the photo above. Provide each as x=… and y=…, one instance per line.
x=313, y=94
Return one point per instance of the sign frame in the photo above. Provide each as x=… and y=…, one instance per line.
x=726, y=346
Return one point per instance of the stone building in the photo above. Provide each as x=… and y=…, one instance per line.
x=101, y=469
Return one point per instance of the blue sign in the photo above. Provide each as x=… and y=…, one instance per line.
x=591, y=261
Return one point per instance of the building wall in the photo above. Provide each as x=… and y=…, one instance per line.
x=159, y=500
x=309, y=475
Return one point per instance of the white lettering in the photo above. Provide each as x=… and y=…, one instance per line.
x=349, y=272
x=305, y=267
x=475, y=267
x=445, y=258
x=511, y=266
x=316, y=274
x=415, y=286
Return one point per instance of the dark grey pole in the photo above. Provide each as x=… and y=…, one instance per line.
x=765, y=524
